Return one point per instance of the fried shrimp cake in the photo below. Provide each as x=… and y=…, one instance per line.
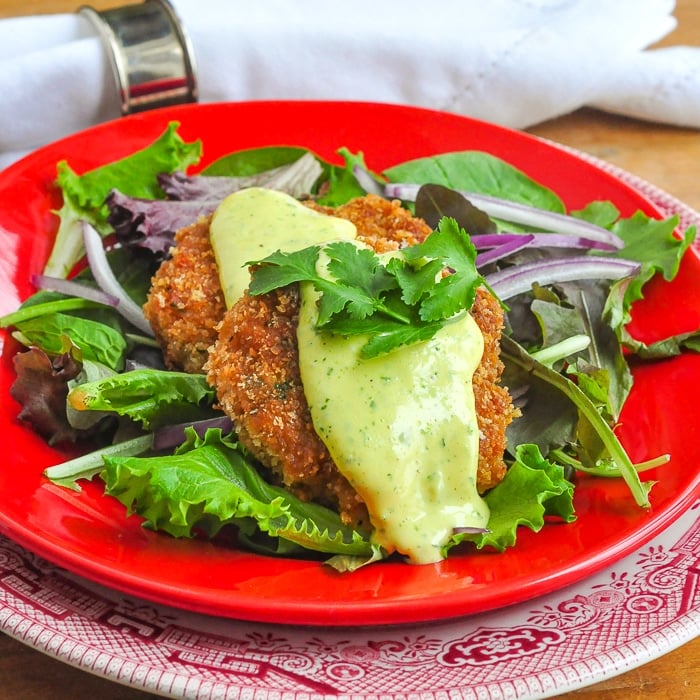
x=254, y=366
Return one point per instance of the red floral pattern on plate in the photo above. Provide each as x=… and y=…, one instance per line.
x=645, y=605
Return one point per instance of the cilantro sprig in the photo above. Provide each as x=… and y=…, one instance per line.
x=396, y=300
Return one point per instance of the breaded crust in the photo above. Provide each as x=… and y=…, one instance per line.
x=185, y=302
x=494, y=407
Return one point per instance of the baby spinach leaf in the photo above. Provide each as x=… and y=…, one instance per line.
x=96, y=341
x=476, y=171
x=252, y=161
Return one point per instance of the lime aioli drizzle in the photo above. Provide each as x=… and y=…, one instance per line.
x=401, y=428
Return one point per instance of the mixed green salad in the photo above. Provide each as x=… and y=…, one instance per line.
x=91, y=372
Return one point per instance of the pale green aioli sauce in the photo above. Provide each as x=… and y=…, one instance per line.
x=402, y=427
x=255, y=222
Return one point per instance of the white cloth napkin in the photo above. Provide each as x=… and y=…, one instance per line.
x=512, y=62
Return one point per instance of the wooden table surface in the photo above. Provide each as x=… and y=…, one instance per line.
x=667, y=156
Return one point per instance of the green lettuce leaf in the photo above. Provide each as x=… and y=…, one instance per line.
x=149, y=396
x=533, y=488
x=84, y=195
x=210, y=483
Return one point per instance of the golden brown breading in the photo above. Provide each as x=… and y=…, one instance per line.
x=185, y=302
x=382, y=224
x=494, y=407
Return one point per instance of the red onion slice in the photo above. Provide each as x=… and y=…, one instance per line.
x=73, y=289
x=99, y=265
x=518, y=279
x=519, y=214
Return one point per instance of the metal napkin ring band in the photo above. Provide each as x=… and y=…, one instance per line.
x=150, y=53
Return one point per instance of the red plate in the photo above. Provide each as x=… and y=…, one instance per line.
x=89, y=534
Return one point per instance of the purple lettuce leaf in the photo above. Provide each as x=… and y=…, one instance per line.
x=152, y=223
x=296, y=179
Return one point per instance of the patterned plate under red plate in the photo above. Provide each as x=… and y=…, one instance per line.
x=642, y=607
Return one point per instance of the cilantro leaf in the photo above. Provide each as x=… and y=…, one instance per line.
x=403, y=298
x=452, y=247
x=280, y=269
x=361, y=268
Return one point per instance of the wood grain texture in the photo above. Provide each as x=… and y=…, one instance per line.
x=666, y=156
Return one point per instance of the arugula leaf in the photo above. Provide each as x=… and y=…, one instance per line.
x=149, y=396
x=590, y=298
x=590, y=435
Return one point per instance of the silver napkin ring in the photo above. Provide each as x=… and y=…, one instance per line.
x=150, y=53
